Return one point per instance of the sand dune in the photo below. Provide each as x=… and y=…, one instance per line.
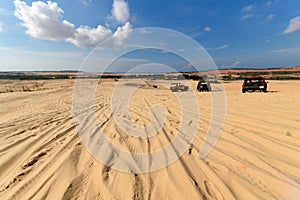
x=256, y=157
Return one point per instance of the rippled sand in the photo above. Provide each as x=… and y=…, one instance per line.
x=42, y=157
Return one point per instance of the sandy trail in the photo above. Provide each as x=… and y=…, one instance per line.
x=257, y=156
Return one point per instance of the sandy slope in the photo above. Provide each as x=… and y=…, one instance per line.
x=257, y=156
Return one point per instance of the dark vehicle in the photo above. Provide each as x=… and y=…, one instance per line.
x=175, y=87
x=254, y=83
x=203, y=86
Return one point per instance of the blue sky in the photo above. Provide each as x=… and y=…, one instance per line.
x=58, y=35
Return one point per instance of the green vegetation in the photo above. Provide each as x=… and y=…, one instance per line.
x=285, y=72
x=285, y=78
x=274, y=75
x=244, y=74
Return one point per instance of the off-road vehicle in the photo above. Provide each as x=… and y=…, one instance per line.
x=175, y=87
x=254, y=83
x=203, y=86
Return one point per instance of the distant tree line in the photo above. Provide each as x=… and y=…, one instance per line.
x=276, y=75
x=32, y=77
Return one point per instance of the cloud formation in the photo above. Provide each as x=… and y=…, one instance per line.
x=44, y=21
x=293, y=26
x=121, y=34
x=207, y=29
x=247, y=9
x=269, y=3
x=287, y=50
x=247, y=16
x=236, y=63
x=222, y=47
x=86, y=36
x=85, y=2
x=233, y=65
x=269, y=18
x=120, y=11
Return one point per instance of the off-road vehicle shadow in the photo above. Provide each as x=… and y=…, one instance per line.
x=272, y=91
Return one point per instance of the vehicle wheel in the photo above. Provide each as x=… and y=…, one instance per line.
x=243, y=91
x=265, y=90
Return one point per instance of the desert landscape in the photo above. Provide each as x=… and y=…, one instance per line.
x=149, y=100
x=42, y=156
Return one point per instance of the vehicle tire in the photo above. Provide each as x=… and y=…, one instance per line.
x=265, y=90
x=243, y=91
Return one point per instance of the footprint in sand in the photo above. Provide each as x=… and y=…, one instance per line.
x=212, y=191
x=217, y=166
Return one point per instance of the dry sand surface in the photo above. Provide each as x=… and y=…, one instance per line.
x=42, y=157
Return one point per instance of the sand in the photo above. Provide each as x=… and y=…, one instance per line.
x=42, y=157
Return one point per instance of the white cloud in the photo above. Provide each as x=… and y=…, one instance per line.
x=44, y=21
x=269, y=18
x=207, y=29
x=233, y=65
x=271, y=2
x=2, y=27
x=222, y=47
x=247, y=16
x=289, y=50
x=188, y=66
x=120, y=11
x=86, y=36
x=121, y=34
x=247, y=8
x=85, y=2
x=293, y=26
x=195, y=35
x=267, y=41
